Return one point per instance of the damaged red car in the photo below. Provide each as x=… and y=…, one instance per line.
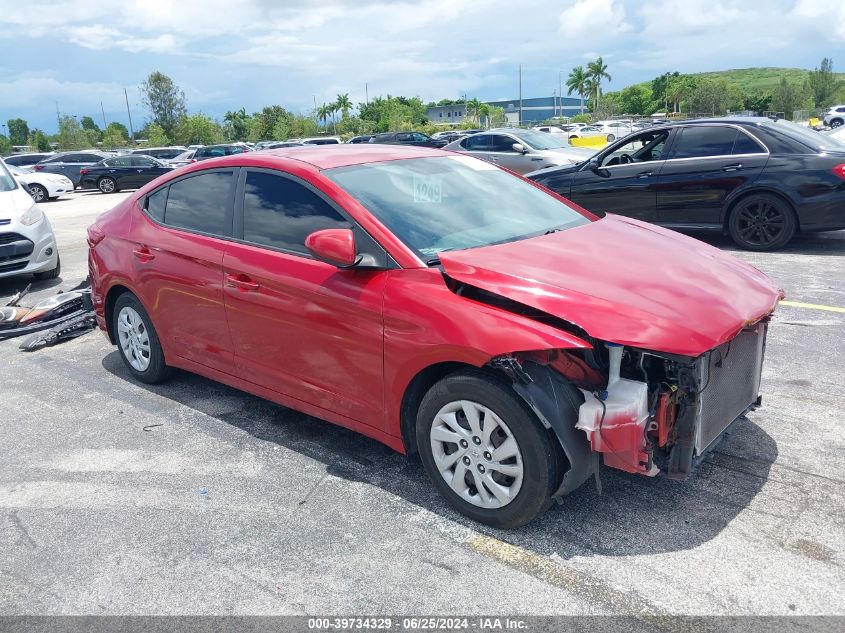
x=442, y=306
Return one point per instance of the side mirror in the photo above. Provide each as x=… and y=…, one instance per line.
x=333, y=246
x=593, y=164
x=519, y=147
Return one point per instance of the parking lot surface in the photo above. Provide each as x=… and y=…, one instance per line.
x=193, y=498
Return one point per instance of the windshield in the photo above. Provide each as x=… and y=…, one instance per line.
x=453, y=203
x=7, y=182
x=542, y=140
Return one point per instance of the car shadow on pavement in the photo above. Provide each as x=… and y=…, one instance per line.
x=826, y=243
x=12, y=285
x=633, y=515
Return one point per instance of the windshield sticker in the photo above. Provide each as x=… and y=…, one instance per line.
x=428, y=188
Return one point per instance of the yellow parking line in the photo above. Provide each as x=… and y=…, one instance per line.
x=812, y=306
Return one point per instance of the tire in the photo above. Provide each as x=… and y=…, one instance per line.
x=532, y=470
x=611, y=138
x=39, y=193
x=137, y=341
x=50, y=274
x=107, y=184
x=762, y=222
x=836, y=123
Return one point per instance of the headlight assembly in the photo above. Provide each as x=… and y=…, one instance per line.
x=33, y=216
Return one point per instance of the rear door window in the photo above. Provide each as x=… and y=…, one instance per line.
x=502, y=143
x=155, y=204
x=702, y=141
x=478, y=143
x=202, y=203
x=744, y=144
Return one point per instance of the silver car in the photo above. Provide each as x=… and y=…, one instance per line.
x=521, y=151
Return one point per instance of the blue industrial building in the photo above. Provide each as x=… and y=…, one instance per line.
x=539, y=108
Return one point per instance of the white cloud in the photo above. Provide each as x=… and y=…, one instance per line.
x=593, y=20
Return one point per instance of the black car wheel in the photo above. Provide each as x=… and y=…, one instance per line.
x=762, y=222
x=107, y=184
x=38, y=193
x=836, y=123
x=611, y=138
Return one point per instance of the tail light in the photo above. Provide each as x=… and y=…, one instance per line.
x=839, y=170
x=38, y=167
x=82, y=172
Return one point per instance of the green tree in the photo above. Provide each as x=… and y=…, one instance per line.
x=660, y=86
x=679, y=88
x=343, y=104
x=237, y=125
x=787, y=97
x=393, y=113
x=263, y=123
x=18, y=131
x=88, y=123
x=824, y=84
x=165, y=101
x=324, y=112
x=582, y=118
x=577, y=82
x=199, y=129
x=596, y=71
x=156, y=136
x=116, y=135
x=637, y=99
x=713, y=96
x=5, y=145
x=38, y=140
x=71, y=134
x=758, y=102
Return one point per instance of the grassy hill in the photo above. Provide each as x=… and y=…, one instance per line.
x=755, y=80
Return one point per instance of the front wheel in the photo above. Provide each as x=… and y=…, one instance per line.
x=485, y=451
x=611, y=138
x=762, y=222
x=38, y=192
x=836, y=123
x=107, y=185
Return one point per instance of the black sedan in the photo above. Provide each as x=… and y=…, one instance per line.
x=759, y=180
x=415, y=139
x=122, y=172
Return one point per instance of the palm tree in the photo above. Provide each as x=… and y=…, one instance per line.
x=323, y=113
x=344, y=104
x=596, y=71
x=472, y=107
x=577, y=83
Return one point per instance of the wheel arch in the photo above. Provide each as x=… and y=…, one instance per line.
x=732, y=202
x=108, y=307
x=419, y=385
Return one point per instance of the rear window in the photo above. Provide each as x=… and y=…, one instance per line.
x=155, y=204
x=201, y=203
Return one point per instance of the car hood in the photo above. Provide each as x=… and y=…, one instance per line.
x=14, y=203
x=572, y=153
x=626, y=282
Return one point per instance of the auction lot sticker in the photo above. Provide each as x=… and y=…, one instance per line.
x=428, y=188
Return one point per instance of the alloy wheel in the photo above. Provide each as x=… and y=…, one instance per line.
x=476, y=454
x=37, y=192
x=107, y=185
x=761, y=223
x=134, y=338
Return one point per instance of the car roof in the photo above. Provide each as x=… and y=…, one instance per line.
x=344, y=155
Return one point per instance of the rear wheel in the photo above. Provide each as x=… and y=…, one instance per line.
x=107, y=184
x=762, y=222
x=137, y=341
x=38, y=192
x=611, y=138
x=836, y=123
x=485, y=451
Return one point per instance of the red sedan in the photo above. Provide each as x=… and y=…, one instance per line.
x=440, y=305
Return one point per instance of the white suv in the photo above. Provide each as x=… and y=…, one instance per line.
x=835, y=116
x=27, y=243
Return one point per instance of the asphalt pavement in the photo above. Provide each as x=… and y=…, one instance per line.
x=194, y=498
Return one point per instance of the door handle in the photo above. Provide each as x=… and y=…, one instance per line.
x=140, y=171
x=644, y=174
x=144, y=254
x=242, y=283
x=733, y=167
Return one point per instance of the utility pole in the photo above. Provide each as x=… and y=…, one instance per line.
x=520, y=94
x=129, y=114
x=315, y=107
x=560, y=91
x=58, y=118
x=105, y=125
x=366, y=94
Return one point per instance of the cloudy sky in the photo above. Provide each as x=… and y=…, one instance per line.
x=226, y=54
